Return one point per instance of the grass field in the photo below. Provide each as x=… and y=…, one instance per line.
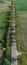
x=22, y=31
x=21, y=37
x=21, y=5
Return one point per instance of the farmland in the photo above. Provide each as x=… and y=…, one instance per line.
x=21, y=37
x=22, y=6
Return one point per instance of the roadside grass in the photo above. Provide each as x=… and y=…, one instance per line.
x=22, y=59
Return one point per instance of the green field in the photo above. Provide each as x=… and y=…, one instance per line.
x=22, y=6
x=21, y=30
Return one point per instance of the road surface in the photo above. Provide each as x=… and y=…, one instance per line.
x=13, y=50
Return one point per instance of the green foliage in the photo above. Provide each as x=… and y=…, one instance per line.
x=18, y=32
x=22, y=60
x=6, y=63
x=5, y=32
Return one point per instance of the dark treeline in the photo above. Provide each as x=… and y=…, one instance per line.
x=4, y=42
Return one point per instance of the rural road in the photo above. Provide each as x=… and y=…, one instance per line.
x=13, y=50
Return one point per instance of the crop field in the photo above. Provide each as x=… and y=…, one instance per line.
x=22, y=37
x=22, y=6
x=22, y=31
